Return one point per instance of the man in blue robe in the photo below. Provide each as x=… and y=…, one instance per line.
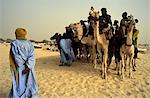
x=22, y=62
x=66, y=52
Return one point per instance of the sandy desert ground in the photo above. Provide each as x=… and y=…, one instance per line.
x=80, y=80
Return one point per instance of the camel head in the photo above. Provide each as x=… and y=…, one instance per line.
x=78, y=30
x=95, y=19
x=55, y=36
x=131, y=19
x=71, y=26
x=131, y=23
x=96, y=16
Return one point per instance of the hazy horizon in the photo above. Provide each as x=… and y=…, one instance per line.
x=43, y=18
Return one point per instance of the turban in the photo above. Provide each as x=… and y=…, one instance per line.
x=103, y=9
x=20, y=33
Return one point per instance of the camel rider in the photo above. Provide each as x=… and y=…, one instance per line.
x=123, y=23
x=116, y=27
x=84, y=27
x=118, y=42
x=91, y=22
x=69, y=32
x=91, y=14
x=91, y=11
x=135, y=39
x=105, y=23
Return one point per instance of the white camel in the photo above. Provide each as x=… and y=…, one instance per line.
x=127, y=49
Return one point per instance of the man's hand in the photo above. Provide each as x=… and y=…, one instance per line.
x=26, y=70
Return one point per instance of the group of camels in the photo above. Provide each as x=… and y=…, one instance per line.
x=126, y=50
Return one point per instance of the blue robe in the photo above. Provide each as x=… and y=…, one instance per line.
x=66, y=49
x=23, y=85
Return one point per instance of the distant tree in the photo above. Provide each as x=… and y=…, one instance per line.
x=32, y=40
x=1, y=39
x=45, y=41
x=8, y=40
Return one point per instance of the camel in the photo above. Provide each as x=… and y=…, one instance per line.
x=100, y=39
x=88, y=40
x=127, y=49
x=56, y=37
x=100, y=42
x=78, y=37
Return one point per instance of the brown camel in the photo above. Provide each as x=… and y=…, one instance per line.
x=78, y=34
x=100, y=39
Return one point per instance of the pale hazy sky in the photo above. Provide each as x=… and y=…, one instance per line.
x=42, y=18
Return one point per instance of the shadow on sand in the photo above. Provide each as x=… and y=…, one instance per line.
x=52, y=63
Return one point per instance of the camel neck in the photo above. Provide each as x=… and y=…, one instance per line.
x=129, y=34
x=96, y=29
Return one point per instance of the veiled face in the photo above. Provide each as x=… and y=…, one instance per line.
x=124, y=15
x=104, y=12
x=92, y=8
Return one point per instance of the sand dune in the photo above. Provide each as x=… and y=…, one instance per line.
x=79, y=80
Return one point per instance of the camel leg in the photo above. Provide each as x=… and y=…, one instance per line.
x=134, y=64
x=102, y=68
x=130, y=67
x=109, y=61
x=105, y=64
x=78, y=54
x=90, y=56
x=118, y=67
x=116, y=62
x=123, y=65
x=87, y=53
x=94, y=56
x=125, y=62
